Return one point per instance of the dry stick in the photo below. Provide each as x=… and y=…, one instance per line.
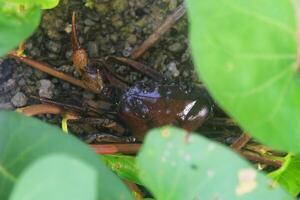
x=240, y=142
x=164, y=27
x=135, y=189
x=139, y=66
x=40, y=109
x=116, y=148
x=47, y=69
x=259, y=159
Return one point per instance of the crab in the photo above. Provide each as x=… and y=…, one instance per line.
x=145, y=104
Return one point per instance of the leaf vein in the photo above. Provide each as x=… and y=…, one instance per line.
x=262, y=18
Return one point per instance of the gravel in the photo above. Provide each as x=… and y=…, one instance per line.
x=176, y=47
x=173, y=69
x=46, y=88
x=19, y=99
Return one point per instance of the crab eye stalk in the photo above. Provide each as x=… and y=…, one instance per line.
x=80, y=57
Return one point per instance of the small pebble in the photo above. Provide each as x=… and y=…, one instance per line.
x=119, y=5
x=54, y=46
x=176, y=47
x=132, y=39
x=19, y=99
x=127, y=51
x=46, y=88
x=89, y=22
x=6, y=106
x=93, y=49
x=173, y=69
x=88, y=95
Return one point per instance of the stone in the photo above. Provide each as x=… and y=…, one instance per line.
x=119, y=5
x=93, y=49
x=46, y=88
x=54, y=46
x=176, y=47
x=19, y=99
x=173, y=69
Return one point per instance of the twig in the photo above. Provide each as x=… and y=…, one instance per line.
x=46, y=109
x=164, y=27
x=116, y=148
x=139, y=66
x=138, y=195
x=40, y=109
x=240, y=142
x=260, y=159
x=47, y=69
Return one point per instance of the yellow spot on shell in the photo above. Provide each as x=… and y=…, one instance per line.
x=247, y=181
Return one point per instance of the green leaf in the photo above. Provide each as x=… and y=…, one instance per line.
x=185, y=166
x=16, y=26
x=59, y=177
x=289, y=174
x=246, y=53
x=24, y=140
x=123, y=166
x=44, y=4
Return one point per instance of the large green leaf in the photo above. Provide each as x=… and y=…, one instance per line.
x=24, y=140
x=187, y=167
x=16, y=24
x=40, y=180
x=289, y=174
x=246, y=53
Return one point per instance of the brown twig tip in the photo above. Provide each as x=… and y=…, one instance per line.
x=74, y=37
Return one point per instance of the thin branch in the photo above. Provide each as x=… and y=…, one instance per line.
x=40, y=109
x=164, y=27
x=260, y=159
x=49, y=70
x=240, y=142
x=115, y=148
x=46, y=109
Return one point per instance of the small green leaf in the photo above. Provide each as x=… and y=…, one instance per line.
x=289, y=174
x=25, y=140
x=246, y=54
x=187, y=167
x=59, y=177
x=123, y=166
